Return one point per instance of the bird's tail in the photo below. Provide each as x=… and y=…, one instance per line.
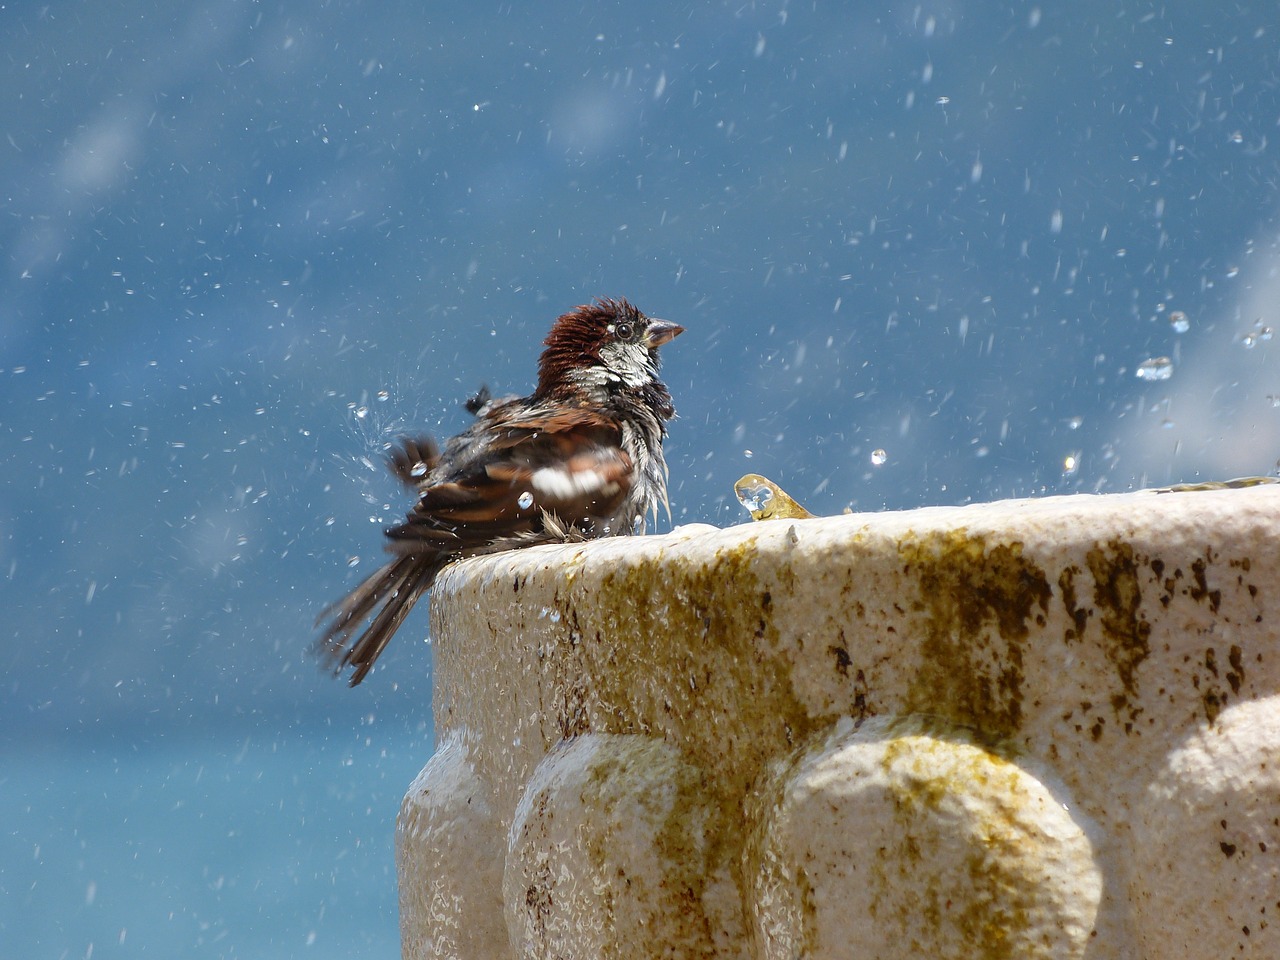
x=384, y=599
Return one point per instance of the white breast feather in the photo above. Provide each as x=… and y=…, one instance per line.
x=560, y=484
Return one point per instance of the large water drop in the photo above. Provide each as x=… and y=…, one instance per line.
x=754, y=496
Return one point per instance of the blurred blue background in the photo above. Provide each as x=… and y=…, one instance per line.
x=245, y=243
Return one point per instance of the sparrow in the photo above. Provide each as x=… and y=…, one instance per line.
x=579, y=458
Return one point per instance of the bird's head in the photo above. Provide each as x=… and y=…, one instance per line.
x=601, y=349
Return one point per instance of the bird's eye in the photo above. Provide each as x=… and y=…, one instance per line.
x=624, y=331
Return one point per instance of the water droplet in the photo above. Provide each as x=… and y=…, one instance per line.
x=1157, y=368
x=1070, y=464
x=754, y=496
x=353, y=561
x=1178, y=320
x=362, y=412
x=879, y=457
x=383, y=396
x=525, y=500
x=1075, y=423
x=419, y=469
x=554, y=616
x=748, y=454
x=1237, y=137
x=1233, y=271
x=942, y=101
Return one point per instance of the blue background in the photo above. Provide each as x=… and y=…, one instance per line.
x=242, y=244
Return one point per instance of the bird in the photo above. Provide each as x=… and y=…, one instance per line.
x=578, y=459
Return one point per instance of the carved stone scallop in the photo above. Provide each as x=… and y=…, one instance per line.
x=907, y=838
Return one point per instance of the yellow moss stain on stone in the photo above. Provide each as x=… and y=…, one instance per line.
x=643, y=771
x=1078, y=615
x=1117, y=597
x=682, y=651
x=668, y=645
x=981, y=600
x=934, y=778
x=687, y=653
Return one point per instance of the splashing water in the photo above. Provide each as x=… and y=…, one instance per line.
x=765, y=500
x=1157, y=368
x=1258, y=334
x=754, y=496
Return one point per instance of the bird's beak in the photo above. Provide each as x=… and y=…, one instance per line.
x=660, y=332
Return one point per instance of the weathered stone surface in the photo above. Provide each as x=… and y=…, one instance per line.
x=1029, y=728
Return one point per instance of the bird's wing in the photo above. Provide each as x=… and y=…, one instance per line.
x=567, y=462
